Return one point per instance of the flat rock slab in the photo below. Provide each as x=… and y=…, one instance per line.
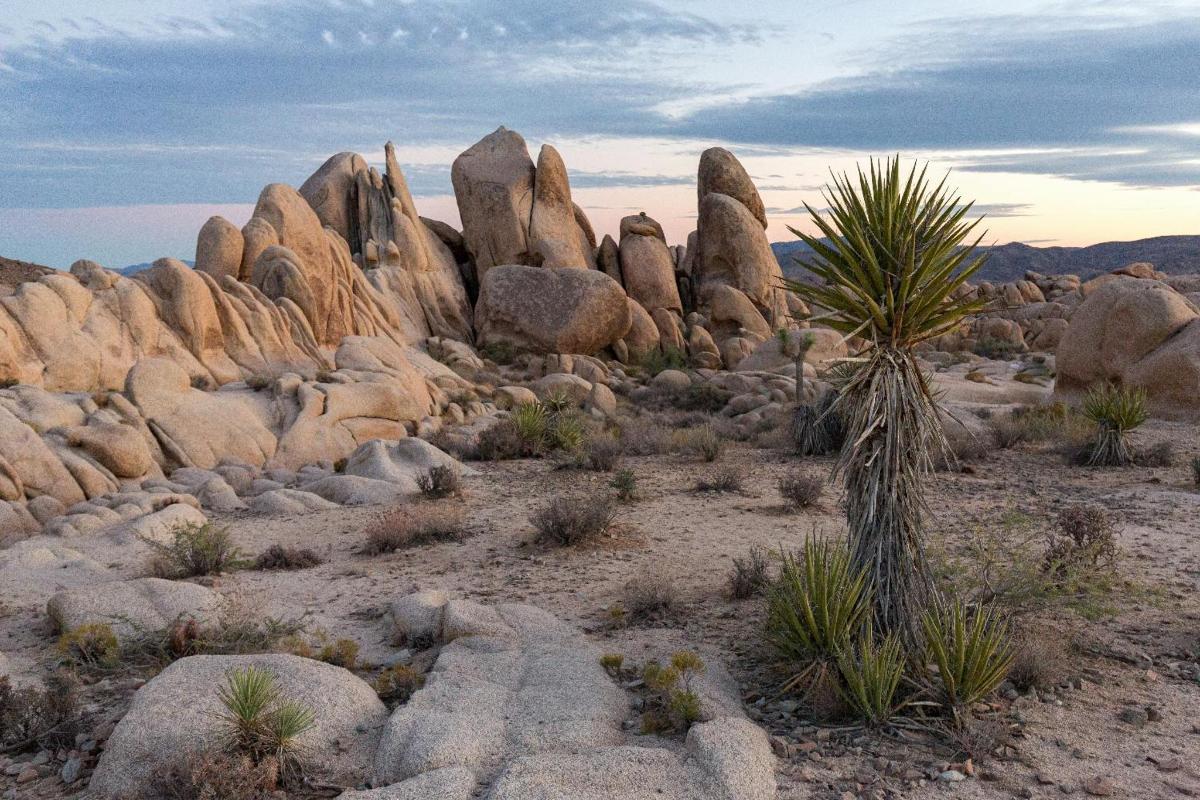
x=176, y=715
x=133, y=607
x=519, y=700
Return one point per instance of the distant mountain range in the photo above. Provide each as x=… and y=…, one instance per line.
x=1175, y=255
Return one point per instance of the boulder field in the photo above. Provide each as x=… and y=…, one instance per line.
x=337, y=316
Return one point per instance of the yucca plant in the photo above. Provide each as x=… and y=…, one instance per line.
x=816, y=608
x=871, y=674
x=532, y=423
x=260, y=724
x=972, y=649
x=892, y=252
x=1115, y=411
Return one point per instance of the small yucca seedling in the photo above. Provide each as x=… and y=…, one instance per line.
x=972, y=650
x=557, y=402
x=871, y=675
x=260, y=724
x=285, y=725
x=567, y=433
x=532, y=424
x=1115, y=411
x=625, y=485
x=816, y=607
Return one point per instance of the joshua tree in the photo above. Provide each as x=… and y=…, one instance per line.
x=891, y=254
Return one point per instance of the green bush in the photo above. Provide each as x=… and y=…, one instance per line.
x=1115, y=411
x=91, y=645
x=196, y=550
x=625, y=485
x=657, y=360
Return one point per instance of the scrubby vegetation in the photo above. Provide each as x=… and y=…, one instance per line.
x=439, y=482
x=750, y=576
x=47, y=717
x=412, y=526
x=196, y=550
x=624, y=483
x=669, y=700
x=282, y=557
x=800, y=490
x=573, y=520
x=727, y=479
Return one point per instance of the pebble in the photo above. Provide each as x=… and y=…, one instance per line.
x=28, y=774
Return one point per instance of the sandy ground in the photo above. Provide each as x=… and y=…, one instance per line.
x=1144, y=654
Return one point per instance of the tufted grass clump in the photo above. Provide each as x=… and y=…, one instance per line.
x=972, y=649
x=602, y=452
x=441, y=481
x=262, y=725
x=92, y=645
x=702, y=442
x=1195, y=463
x=657, y=360
x=567, y=521
x=396, y=684
x=1115, y=411
x=195, y=550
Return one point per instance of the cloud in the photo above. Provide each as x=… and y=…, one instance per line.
x=1113, y=101
x=197, y=111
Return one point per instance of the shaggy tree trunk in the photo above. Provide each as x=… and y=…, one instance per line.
x=892, y=428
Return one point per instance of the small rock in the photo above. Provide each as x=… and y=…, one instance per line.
x=71, y=769
x=28, y=774
x=951, y=776
x=1137, y=717
x=1100, y=786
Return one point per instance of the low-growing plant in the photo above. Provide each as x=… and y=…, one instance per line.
x=997, y=349
x=1038, y=423
x=532, y=423
x=411, y=526
x=281, y=557
x=816, y=607
x=624, y=483
x=702, y=442
x=501, y=442
x=643, y=436
x=612, y=663
x=195, y=550
x=259, y=382
x=800, y=491
x=46, y=717
x=871, y=675
x=1041, y=658
x=500, y=352
x=340, y=653
x=750, y=575
x=572, y=520
x=93, y=645
x=728, y=479
x=442, y=480
x=566, y=432
x=649, y=598
x=398, y=683
x=702, y=396
x=1159, y=454
x=657, y=360
x=1196, y=470
x=1085, y=536
x=216, y=775
x=602, y=452
x=971, y=648
x=1115, y=411
x=673, y=703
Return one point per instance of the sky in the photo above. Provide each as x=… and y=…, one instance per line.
x=125, y=124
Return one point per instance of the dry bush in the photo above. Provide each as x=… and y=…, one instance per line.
x=1052, y=422
x=217, y=775
x=750, y=575
x=440, y=481
x=602, y=453
x=1041, y=658
x=411, y=526
x=979, y=738
x=48, y=717
x=1161, y=454
x=800, y=491
x=501, y=441
x=573, y=520
x=1195, y=464
x=702, y=442
x=1085, y=537
x=280, y=557
x=397, y=683
x=701, y=396
x=728, y=479
x=650, y=599
x=643, y=436
x=963, y=449
x=195, y=550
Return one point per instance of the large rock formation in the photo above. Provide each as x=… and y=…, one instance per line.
x=1135, y=332
x=551, y=311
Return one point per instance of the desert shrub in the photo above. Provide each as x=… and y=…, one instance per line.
x=815, y=608
x=532, y=423
x=963, y=449
x=1115, y=411
x=46, y=716
x=650, y=598
x=501, y=352
x=656, y=360
x=340, y=653
x=573, y=520
x=280, y=557
x=262, y=725
x=412, y=526
x=200, y=382
x=501, y=441
x=997, y=349
x=1196, y=470
x=91, y=645
x=800, y=491
x=1159, y=454
x=643, y=436
x=870, y=676
x=672, y=703
x=259, y=382
x=702, y=396
x=440, y=481
x=602, y=452
x=566, y=432
x=978, y=738
x=702, y=442
x=195, y=550
x=217, y=775
x=1041, y=658
x=1085, y=536
x=624, y=483
x=971, y=648
x=728, y=479
x=398, y=683
x=612, y=663
x=750, y=575
x=1040, y=423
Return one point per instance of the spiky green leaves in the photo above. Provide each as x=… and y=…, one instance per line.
x=259, y=722
x=871, y=675
x=892, y=253
x=971, y=648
